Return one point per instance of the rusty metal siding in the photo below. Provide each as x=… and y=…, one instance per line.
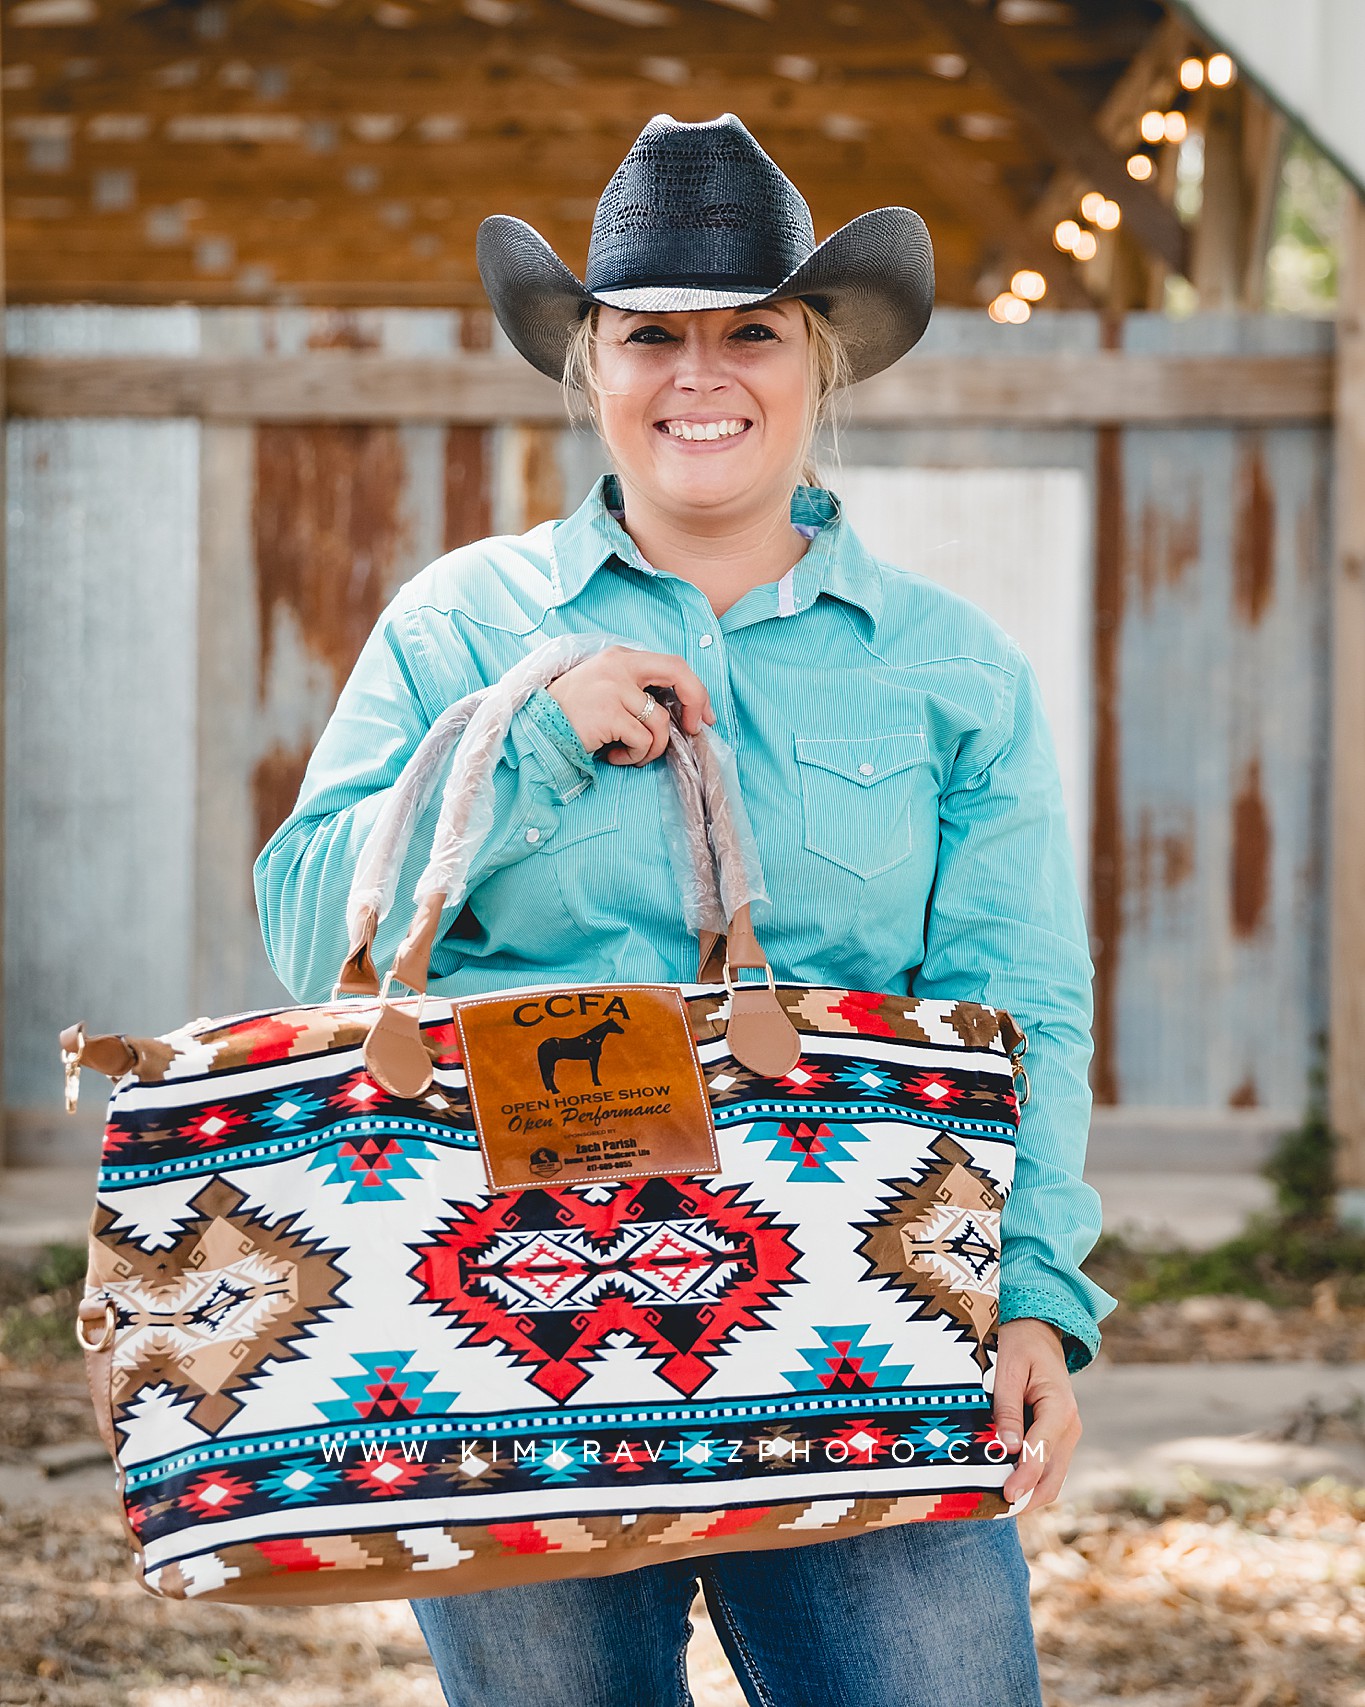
x=311, y=529
x=1220, y=989
x=1216, y=780
x=100, y=717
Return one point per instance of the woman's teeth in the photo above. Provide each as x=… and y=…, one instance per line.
x=703, y=429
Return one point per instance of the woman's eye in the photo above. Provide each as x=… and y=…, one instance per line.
x=649, y=335
x=755, y=333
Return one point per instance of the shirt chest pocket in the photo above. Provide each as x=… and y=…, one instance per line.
x=591, y=812
x=859, y=797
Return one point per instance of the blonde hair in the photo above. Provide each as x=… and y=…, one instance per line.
x=829, y=381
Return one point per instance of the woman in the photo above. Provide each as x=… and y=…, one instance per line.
x=896, y=764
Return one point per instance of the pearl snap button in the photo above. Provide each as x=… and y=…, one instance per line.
x=706, y=640
x=866, y=770
x=533, y=834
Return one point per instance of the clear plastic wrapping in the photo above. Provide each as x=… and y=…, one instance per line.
x=683, y=810
x=467, y=806
x=732, y=835
x=375, y=880
x=710, y=840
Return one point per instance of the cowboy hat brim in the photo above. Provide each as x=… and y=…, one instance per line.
x=873, y=280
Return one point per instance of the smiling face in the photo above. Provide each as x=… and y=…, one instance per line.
x=705, y=412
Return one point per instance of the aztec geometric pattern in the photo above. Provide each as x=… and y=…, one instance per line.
x=343, y=1368
x=553, y=1276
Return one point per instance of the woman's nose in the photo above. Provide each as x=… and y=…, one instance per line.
x=700, y=367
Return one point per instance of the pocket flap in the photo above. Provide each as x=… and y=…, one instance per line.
x=865, y=759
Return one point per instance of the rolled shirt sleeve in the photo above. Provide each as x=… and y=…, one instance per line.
x=1005, y=927
x=393, y=695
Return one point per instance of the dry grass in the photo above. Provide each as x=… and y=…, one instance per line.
x=1226, y=1598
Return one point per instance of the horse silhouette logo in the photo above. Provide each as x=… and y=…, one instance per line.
x=587, y=1046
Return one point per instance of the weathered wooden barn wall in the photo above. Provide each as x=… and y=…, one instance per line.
x=186, y=599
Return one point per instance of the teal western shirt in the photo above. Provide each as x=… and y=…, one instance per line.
x=894, y=758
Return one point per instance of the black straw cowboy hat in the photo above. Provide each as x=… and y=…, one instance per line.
x=698, y=216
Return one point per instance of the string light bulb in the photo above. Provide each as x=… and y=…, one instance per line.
x=1065, y=235
x=1191, y=73
x=1108, y=216
x=1085, y=247
x=1029, y=285
x=1221, y=70
x=1091, y=203
x=1009, y=309
x=1140, y=167
x=1152, y=126
x=1176, y=127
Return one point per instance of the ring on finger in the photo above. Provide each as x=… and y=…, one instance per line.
x=651, y=705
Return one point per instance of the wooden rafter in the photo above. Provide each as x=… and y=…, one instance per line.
x=291, y=151
x=1060, y=122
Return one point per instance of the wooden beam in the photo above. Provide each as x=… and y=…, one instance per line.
x=1218, y=250
x=1060, y=122
x=1149, y=79
x=1051, y=390
x=1346, y=882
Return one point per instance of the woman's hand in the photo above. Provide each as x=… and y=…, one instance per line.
x=601, y=696
x=1030, y=1368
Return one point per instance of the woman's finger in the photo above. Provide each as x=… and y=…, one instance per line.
x=1007, y=1402
x=1047, y=1449
x=629, y=739
x=655, y=727
x=667, y=670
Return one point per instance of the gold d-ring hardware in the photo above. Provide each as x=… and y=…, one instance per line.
x=1018, y=1069
x=106, y=1338
x=71, y=1071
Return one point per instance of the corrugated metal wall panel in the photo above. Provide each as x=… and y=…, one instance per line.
x=102, y=544
x=1221, y=992
x=1223, y=744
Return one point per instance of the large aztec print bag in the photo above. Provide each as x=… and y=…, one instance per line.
x=334, y=1361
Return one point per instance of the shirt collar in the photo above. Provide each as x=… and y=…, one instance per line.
x=835, y=562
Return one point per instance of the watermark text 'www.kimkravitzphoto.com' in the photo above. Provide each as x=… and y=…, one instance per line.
x=686, y=1452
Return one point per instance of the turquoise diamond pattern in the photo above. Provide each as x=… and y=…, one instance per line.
x=370, y=1164
x=933, y=1439
x=700, y=1454
x=869, y=1078
x=299, y=1481
x=841, y=1363
x=561, y=1462
x=293, y=1112
x=388, y=1390
x=809, y=1145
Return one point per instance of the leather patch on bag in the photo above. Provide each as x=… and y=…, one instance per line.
x=586, y=1083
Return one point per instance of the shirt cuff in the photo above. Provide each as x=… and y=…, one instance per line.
x=1080, y=1333
x=568, y=765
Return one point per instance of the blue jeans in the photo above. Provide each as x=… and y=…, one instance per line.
x=921, y=1615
